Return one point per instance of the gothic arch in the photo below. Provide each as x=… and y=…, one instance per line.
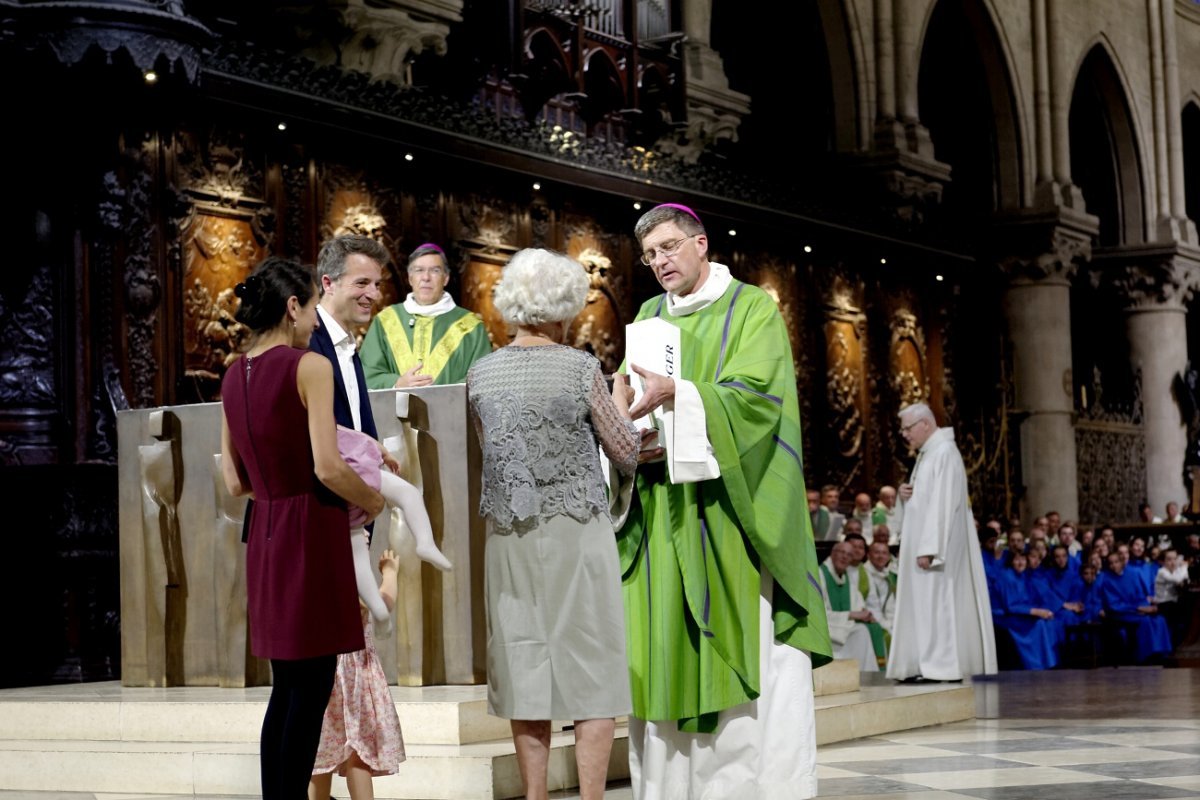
x=1106, y=162
x=844, y=46
x=1010, y=102
x=1190, y=126
x=968, y=101
x=603, y=86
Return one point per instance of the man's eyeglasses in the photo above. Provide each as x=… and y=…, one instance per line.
x=422, y=271
x=666, y=250
x=910, y=426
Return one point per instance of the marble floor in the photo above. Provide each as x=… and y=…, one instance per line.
x=1109, y=734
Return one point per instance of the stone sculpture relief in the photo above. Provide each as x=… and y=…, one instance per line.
x=409, y=628
x=160, y=466
x=235, y=667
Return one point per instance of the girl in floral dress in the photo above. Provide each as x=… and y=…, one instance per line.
x=360, y=736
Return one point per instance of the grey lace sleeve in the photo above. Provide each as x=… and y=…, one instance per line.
x=617, y=435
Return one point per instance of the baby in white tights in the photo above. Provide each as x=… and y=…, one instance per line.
x=362, y=453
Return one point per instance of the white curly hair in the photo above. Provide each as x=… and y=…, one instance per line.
x=541, y=286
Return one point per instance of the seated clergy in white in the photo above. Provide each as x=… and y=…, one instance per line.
x=878, y=584
x=849, y=620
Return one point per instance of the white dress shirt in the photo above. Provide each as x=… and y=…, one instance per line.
x=344, y=345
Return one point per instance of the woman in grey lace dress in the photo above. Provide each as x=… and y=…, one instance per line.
x=556, y=632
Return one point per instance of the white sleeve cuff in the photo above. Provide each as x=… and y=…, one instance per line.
x=689, y=454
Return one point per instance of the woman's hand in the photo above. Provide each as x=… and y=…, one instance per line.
x=622, y=394
x=378, y=504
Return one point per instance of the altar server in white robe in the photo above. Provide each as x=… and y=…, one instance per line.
x=943, y=625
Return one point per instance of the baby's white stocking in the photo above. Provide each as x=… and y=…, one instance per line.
x=368, y=589
x=401, y=494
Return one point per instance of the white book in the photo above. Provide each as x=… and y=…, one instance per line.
x=654, y=345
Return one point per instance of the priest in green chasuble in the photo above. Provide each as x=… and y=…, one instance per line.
x=427, y=339
x=724, y=616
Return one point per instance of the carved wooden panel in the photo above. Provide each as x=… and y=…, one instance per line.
x=907, y=367
x=358, y=203
x=844, y=327
x=219, y=251
x=600, y=327
x=778, y=279
x=480, y=275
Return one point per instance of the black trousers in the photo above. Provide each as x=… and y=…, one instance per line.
x=291, y=730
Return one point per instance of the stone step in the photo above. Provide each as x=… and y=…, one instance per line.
x=96, y=737
x=109, y=712
x=484, y=771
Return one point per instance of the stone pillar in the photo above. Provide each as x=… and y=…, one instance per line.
x=1038, y=310
x=714, y=110
x=1154, y=283
x=1181, y=228
x=902, y=162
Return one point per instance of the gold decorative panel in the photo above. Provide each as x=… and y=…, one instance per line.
x=219, y=251
x=480, y=275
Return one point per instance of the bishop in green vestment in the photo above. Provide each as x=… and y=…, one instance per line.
x=719, y=566
x=427, y=339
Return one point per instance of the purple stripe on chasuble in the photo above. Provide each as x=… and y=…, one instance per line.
x=800, y=464
x=704, y=554
x=739, y=385
x=725, y=332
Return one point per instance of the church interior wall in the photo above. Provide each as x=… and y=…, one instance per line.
x=138, y=226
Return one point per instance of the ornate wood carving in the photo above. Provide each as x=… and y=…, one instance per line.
x=226, y=228
x=845, y=375
x=357, y=204
x=297, y=202
x=480, y=275
x=778, y=279
x=220, y=252
x=27, y=313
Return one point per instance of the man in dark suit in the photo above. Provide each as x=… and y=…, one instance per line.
x=350, y=269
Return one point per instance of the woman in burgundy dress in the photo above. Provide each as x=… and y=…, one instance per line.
x=279, y=446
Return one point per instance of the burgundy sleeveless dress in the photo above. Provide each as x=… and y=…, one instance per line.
x=302, y=598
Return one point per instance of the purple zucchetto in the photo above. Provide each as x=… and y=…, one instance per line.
x=682, y=208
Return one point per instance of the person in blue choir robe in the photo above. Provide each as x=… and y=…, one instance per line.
x=1063, y=587
x=1035, y=632
x=995, y=559
x=1126, y=602
x=1090, y=594
x=1147, y=570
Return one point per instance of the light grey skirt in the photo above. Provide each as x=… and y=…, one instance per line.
x=556, y=622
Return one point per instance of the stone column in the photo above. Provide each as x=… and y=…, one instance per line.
x=1155, y=284
x=1038, y=309
x=1181, y=228
x=715, y=111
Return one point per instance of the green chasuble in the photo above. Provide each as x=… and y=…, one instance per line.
x=690, y=553
x=839, y=593
x=447, y=344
